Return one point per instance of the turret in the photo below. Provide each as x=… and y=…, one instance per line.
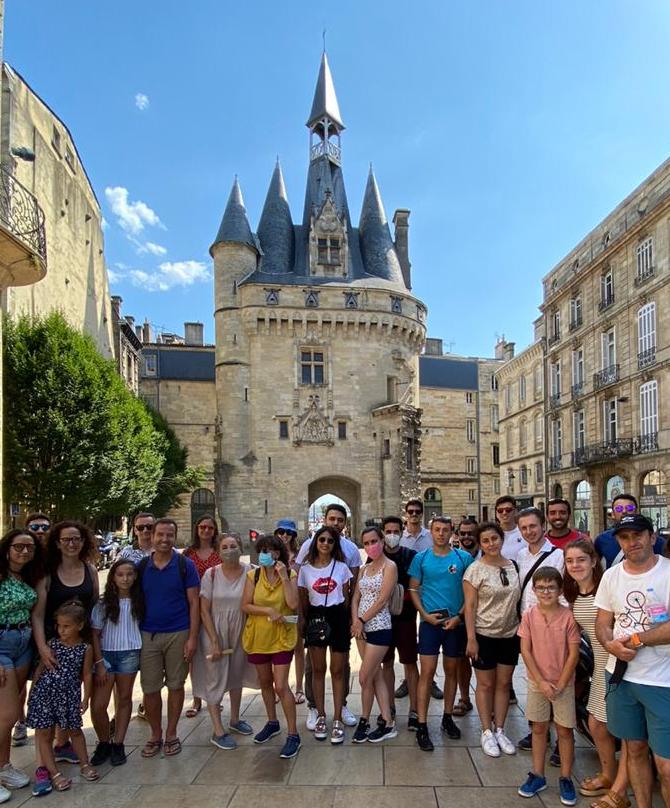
x=275, y=229
x=377, y=247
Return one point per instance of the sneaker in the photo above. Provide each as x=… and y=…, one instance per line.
x=526, y=744
x=103, y=750
x=423, y=739
x=567, y=790
x=512, y=696
x=412, y=721
x=361, y=734
x=321, y=728
x=224, y=741
x=402, y=691
x=555, y=759
x=141, y=712
x=448, y=726
x=504, y=742
x=20, y=734
x=118, y=755
x=489, y=744
x=42, y=784
x=337, y=735
x=312, y=718
x=269, y=731
x=348, y=718
x=242, y=727
x=13, y=778
x=380, y=718
x=383, y=732
x=5, y=794
x=435, y=691
x=65, y=754
x=291, y=748
x=533, y=785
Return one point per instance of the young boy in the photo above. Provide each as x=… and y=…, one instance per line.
x=550, y=650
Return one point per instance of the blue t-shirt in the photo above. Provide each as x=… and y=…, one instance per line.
x=166, y=605
x=441, y=579
x=608, y=547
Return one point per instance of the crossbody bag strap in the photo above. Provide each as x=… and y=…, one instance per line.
x=539, y=561
x=330, y=575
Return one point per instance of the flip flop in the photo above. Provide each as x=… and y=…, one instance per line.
x=193, y=711
x=172, y=747
x=151, y=748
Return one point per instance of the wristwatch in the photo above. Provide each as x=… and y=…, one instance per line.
x=635, y=641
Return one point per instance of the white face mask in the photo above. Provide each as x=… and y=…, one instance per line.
x=392, y=540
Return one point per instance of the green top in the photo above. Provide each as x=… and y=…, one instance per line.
x=16, y=601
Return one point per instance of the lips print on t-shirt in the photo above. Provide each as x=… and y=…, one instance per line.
x=324, y=586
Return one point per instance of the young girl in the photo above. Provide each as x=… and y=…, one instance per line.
x=116, y=642
x=56, y=698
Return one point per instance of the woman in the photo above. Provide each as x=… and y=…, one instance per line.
x=371, y=626
x=21, y=567
x=583, y=574
x=270, y=599
x=203, y=552
x=220, y=665
x=324, y=589
x=491, y=588
x=287, y=532
x=70, y=575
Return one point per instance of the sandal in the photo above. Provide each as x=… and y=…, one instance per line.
x=616, y=801
x=89, y=773
x=172, y=747
x=151, y=748
x=299, y=697
x=462, y=708
x=60, y=783
x=193, y=711
x=595, y=786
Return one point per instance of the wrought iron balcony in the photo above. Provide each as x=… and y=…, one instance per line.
x=579, y=456
x=577, y=389
x=606, y=301
x=606, y=376
x=554, y=400
x=646, y=358
x=575, y=322
x=611, y=450
x=555, y=463
x=23, y=256
x=646, y=443
x=327, y=148
x=554, y=338
x=642, y=277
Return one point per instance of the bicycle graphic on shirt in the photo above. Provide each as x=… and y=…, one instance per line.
x=635, y=617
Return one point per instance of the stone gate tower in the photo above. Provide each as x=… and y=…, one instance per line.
x=317, y=344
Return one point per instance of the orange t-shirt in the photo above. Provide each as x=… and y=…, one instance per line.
x=550, y=637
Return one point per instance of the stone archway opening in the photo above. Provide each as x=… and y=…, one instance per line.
x=342, y=490
x=654, y=499
x=614, y=486
x=581, y=511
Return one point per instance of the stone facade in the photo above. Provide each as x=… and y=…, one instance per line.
x=127, y=346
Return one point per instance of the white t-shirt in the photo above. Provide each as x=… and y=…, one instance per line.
x=350, y=552
x=319, y=581
x=526, y=560
x=639, y=603
x=424, y=541
x=513, y=544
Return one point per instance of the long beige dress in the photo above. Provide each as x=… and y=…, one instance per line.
x=211, y=680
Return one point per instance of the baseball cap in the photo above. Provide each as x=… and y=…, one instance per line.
x=287, y=524
x=637, y=522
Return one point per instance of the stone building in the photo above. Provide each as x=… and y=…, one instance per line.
x=459, y=433
x=607, y=324
x=127, y=346
x=317, y=344
x=37, y=148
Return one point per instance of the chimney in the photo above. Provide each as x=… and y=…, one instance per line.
x=193, y=333
x=146, y=331
x=138, y=332
x=116, y=307
x=131, y=321
x=508, y=351
x=401, y=240
x=433, y=347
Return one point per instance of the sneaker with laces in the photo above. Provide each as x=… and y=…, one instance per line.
x=382, y=732
x=65, y=754
x=435, y=691
x=423, y=739
x=20, y=734
x=103, y=750
x=269, y=731
x=291, y=748
x=13, y=778
x=567, y=791
x=242, y=727
x=412, y=721
x=504, y=742
x=321, y=728
x=337, y=735
x=42, y=784
x=224, y=741
x=118, y=755
x=402, y=691
x=348, y=718
x=533, y=785
x=449, y=728
x=362, y=730
x=312, y=718
x=489, y=744
x=526, y=743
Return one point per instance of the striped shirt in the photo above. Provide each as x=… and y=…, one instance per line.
x=122, y=636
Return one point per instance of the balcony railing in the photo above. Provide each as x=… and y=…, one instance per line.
x=646, y=358
x=646, y=443
x=606, y=301
x=554, y=400
x=643, y=276
x=575, y=322
x=326, y=148
x=613, y=449
x=21, y=216
x=555, y=463
x=578, y=389
x=554, y=338
x=606, y=376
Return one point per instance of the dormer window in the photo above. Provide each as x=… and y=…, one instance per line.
x=328, y=251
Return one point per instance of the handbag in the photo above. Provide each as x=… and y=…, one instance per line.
x=396, y=600
x=318, y=628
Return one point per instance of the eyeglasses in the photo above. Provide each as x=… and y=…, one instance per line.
x=70, y=540
x=545, y=590
x=630, y=508
x=38, y=528
x=144, y=527
x=504, y=580
x=505, y=510
x=326, y=540
x=414, y=512
x=23, y=548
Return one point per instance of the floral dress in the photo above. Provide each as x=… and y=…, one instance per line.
x=55, y=699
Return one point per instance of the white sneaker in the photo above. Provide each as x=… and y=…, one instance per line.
x=348, y=718
x=504, y=742
x=5, y=794
x=312, y=718
x=13, y=778
x=489, y=744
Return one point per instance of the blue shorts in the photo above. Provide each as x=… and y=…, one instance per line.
x=384, y=636
x=122, y=661
x=16, y=648
x=432, y=638
x=639, y=713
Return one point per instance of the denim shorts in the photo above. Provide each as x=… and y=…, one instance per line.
x=16, y=648
x=122, y=661
x=432, y=638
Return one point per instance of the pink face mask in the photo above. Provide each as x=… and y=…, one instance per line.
x=374, y=550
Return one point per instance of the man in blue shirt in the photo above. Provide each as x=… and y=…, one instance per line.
x=606, y=544
x=170, y=626
x=436, y=588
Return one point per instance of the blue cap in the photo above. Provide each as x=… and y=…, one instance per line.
x=287, y=524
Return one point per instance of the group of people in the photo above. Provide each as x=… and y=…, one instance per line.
x=482, y=595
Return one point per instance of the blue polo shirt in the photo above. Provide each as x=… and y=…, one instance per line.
x=441, y=579
x=165, y=602
x=608, y=547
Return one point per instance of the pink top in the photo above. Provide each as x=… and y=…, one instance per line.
x=550, y=637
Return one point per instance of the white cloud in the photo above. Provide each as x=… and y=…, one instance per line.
x=104, y=224
x=141, y=101
x=170, y=274
x=114, y=276
x=131, y=216
x=150, y=247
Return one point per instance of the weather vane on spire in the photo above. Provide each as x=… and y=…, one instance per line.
x=323, y=34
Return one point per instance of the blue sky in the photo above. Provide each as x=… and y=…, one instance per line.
x=508, y=128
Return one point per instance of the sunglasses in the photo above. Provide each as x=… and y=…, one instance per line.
x=504, y=580
x=414, y=512
x=23, y=548
x=144, y=527
x=630, y=508
x=281, y=532
x=36, y=528
x=326, y=540
x=464, y=534
x=505, y=510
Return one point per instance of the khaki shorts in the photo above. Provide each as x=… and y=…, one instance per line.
x=162, y=661
x=539, y=708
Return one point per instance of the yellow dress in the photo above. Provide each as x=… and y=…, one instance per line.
x=262, y=636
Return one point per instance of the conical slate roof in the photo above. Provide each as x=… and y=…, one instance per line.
x=377, y=247
x=275, y=229
x=325, y=100
x=235, y=224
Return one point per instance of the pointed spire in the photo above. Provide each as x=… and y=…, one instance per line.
x=325, y=101
x=379, y=255
x=275, y=229
x=235, y=224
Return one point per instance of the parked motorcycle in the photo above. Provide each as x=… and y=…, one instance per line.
x=109, y=548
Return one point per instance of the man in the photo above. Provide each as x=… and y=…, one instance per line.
x=38, y=525
x=467, y=537
x=506, y=513
x=403, y=625
x=170, y=626
x=633, y=602
x=558, y=516
x=436, y=588
x=143, y=526
x=606, y=544
x=336, y=516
